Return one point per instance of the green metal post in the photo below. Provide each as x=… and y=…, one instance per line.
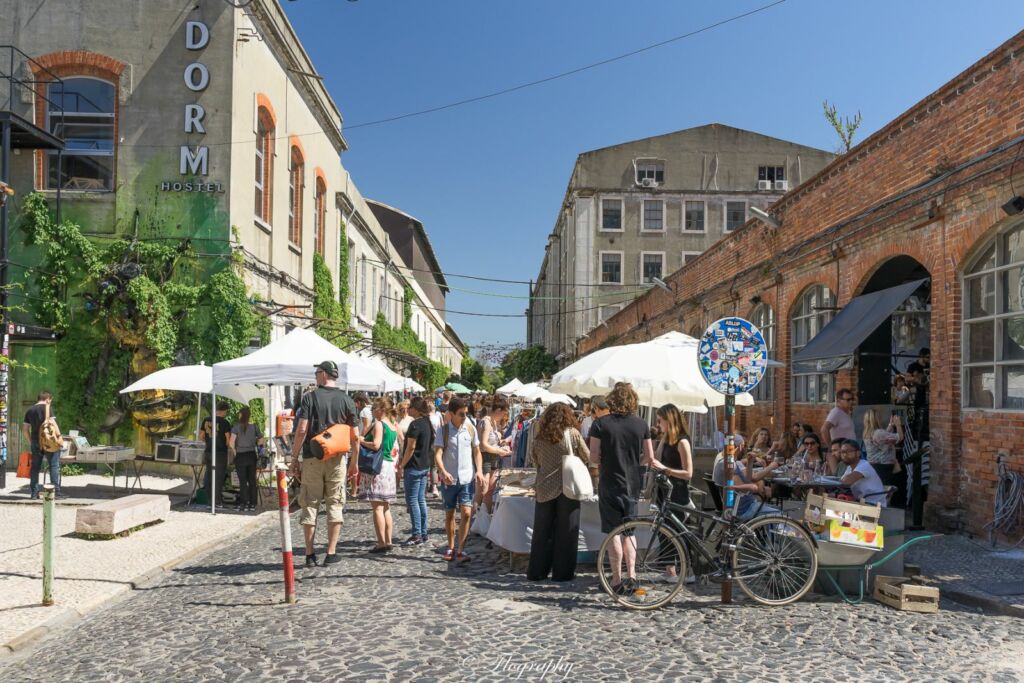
x=48, y=545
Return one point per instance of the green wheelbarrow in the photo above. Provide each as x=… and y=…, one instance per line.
x=837, y=557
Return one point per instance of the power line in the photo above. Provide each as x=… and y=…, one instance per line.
x=564, y=74
x=503, y=315
x=510, y=282
x=487, y=96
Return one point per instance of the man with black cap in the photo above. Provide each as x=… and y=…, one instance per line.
x=322, y=479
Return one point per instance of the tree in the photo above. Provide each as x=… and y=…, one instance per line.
x=529, y=365
x=844, y=127
x=472, y=372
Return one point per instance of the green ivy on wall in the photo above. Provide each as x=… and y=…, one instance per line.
x=129, y=307
x=432, y=375
x=345, y=310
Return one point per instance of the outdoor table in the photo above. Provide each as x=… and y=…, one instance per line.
x=800, y=488
x=137, y=466
x=511, y=525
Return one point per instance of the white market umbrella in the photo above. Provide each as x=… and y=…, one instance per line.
x=510, y=388
x=663, y=370
x=528, y=391
x=197, y=379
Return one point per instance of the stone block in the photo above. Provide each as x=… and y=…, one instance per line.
x=114, y=516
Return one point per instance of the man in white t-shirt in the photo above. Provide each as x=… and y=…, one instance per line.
x=839, y=423
x=862, y=478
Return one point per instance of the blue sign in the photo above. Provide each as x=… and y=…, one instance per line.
x=732, y=356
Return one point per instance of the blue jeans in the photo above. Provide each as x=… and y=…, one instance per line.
x=37, y=465
x=415, y=483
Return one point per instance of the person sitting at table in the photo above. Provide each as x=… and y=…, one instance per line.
x=556, y=519
x=760, y=445
x=834, y=465
x=862, y=479
x=812, y=458
x=748, y=503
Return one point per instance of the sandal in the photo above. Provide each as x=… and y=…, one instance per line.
x=449, y=554
x=463, y=557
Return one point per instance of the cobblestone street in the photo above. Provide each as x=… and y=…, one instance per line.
x=411, y=616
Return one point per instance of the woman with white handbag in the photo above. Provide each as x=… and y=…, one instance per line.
x=560, y=456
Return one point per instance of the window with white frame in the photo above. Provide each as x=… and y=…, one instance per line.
x=735, y=215
x=611, y=267
x=688, y=256
x=651, y=171
x=81, y=111
x=652, y=266
x=763, y=318
x=693, y=220
x=993, y=327
x=611, y=214
x=812, y=312
x=654, y=215
x=771, y=173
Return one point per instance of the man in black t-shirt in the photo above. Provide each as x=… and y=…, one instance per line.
x=34, y=419
x=225, y=439
x=322, y=479
x=418, y=455
x=620, y=443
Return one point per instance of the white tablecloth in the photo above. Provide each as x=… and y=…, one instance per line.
x=511, y=525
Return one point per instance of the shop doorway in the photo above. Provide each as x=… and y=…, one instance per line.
x=894, y=345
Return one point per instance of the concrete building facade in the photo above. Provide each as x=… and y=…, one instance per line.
x=934, y=196
x=634, y=212
x=202, y=122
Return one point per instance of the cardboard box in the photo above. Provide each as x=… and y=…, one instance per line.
x=903, y=594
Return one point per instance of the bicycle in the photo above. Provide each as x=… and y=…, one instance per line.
x=772, y=558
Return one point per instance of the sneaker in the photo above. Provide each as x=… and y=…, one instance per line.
x=331, y=558
x=449, y=554
x=411, y=541
x=624, y=587
x=34, y=496
x=421, y=540
x=310, y=560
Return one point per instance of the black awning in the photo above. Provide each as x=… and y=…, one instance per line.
x=834, y=347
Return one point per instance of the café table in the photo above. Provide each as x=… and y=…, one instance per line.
x=799, y=489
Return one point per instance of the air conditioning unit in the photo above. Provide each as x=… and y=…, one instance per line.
x=764, y=184
x=648, y=182
x=782, y=185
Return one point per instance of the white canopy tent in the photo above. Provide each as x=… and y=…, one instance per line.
x=291, y=360
x=510, y=388
x=663, y=370
x=393, y=381
x=534, y=392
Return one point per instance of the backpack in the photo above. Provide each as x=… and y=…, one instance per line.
x=50, y=439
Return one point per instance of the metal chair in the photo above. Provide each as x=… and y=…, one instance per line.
x=716, y=493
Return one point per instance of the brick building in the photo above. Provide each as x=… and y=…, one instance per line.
x=920, y=199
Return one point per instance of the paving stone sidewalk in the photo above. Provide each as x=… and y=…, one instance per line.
x=974, y=572
x=90, y=573
x=410, y=616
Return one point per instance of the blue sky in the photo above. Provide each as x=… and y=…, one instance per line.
x=486, y=178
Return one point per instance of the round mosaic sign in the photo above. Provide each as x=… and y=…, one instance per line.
x=732, y=356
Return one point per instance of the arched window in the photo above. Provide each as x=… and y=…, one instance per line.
x=296, y=185
x=263, y=206
x=993, y=327
x=320, y=219
x=812, y=312
x=82, y=111
x=763, y=318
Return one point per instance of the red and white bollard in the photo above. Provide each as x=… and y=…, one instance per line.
x=286, y=535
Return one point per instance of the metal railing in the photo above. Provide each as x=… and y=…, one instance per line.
x=11, y=59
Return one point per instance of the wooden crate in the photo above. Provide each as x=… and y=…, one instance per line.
x=903, y=594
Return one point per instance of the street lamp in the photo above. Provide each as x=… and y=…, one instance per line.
x=766, y=217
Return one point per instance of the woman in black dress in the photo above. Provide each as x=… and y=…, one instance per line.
x=674, y=459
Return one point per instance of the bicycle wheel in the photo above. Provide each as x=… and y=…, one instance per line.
x=775, y=562
x=660, y=565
